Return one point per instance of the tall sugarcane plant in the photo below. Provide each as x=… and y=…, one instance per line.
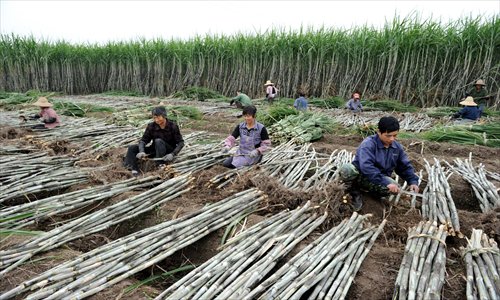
x=406, y=60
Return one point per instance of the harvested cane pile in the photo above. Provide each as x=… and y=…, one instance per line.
x=24, y=175
x=485, y=191
x=16, y=217
x=101, y=268
x=94, y=222
x=247, y=259
x=302, y=128
x=422, y=271
x=482, y=259
x=326, y=267
x=90, y=134
x=437, y=202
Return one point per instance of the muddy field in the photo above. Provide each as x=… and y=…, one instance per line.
x=376, y=277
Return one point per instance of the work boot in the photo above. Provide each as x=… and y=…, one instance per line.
x=135, y=173
x=357, y=200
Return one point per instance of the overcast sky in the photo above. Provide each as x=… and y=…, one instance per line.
x=103, y=21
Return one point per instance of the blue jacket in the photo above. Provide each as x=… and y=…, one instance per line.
x=374, y=161
x=300, y=103
x=469, y=112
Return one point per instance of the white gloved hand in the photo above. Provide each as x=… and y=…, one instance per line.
x=141, y=155
x=169, y=157
x=254, y=153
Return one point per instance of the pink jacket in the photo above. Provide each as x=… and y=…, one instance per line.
x=46, y=113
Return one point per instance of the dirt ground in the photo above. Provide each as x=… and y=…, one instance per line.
x=376, y=277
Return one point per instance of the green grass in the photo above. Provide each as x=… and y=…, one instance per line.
x=388, y=105
x=123, y=93
x=79, y=110
x=275, y=113
x=198, y=93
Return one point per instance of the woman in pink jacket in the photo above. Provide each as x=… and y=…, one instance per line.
x=47, y=115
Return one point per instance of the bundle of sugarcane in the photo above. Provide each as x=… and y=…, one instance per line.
x=94, y=222
x=482, y=259
x=247, y=259
x=326, y=267
x=437, y=202
x=16, y=217
x=14, y=150
x=394, y=198
x=493, y=175
x=102, y=267
x=485, y=191
x=422, y=271
x=329, y=171
x=196, y=157
x=226, y=177
x=303, y=127
x=415, y=122
x=26, y=174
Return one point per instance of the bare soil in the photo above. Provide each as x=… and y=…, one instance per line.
x=376, y=277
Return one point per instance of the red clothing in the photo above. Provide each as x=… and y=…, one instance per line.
x=46, y=113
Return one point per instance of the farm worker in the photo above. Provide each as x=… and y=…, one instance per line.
x=47, y=115
x=301, y=102
x=254, y=141
x=479, y=93
x=469, y=113
x=241, y=100
x=354, y=104
x=167, y=142
x=271, y=91
x=376, y=158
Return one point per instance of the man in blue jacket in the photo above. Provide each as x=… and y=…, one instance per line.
x=376, y=158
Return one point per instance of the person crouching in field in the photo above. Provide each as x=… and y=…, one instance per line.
x=354, y=104
x=47, y=115
x=271, y=91
x=300, y=103
x=241, y=100
x=376, y=158
x=254, y=141
x=167, y=142
x=469, y=113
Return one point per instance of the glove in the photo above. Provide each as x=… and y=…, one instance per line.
x=225, y=150
x=169, y=157
x=254, y=153
x=141, y=155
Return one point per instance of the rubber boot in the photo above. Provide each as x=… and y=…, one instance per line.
x=357, y=200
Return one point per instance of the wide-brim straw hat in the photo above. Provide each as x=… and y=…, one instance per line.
x=480, y=82
x=43, y=102
x=469, y=101
x=268, y=83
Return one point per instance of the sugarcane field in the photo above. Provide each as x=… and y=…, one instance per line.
x=332, y=165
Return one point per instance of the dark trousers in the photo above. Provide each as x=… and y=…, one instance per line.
x=158, y=149
x=228, y=163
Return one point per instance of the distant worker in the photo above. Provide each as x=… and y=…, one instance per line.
x=469, y=113
x=354, y=104
x=241, y=100
x=376, y=158
x=480, y=94
x=47, y=115
x=167, y=142
x=301, y=103
x=254, y=141
x=271, y=91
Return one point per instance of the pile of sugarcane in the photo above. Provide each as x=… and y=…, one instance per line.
x=22, y=175
x=18, y=216
x=325, y=268
x=395, y=198
x=422, y=271
x=415, y=122
x=94, y=222
x=9, y=118
x=100, y=268
x=485, y=191
x=92, y=135
x=437, y=202
x=303, y=128
x=247, y=259
x=329, y=171
x=482, y=259
x=347, y=119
